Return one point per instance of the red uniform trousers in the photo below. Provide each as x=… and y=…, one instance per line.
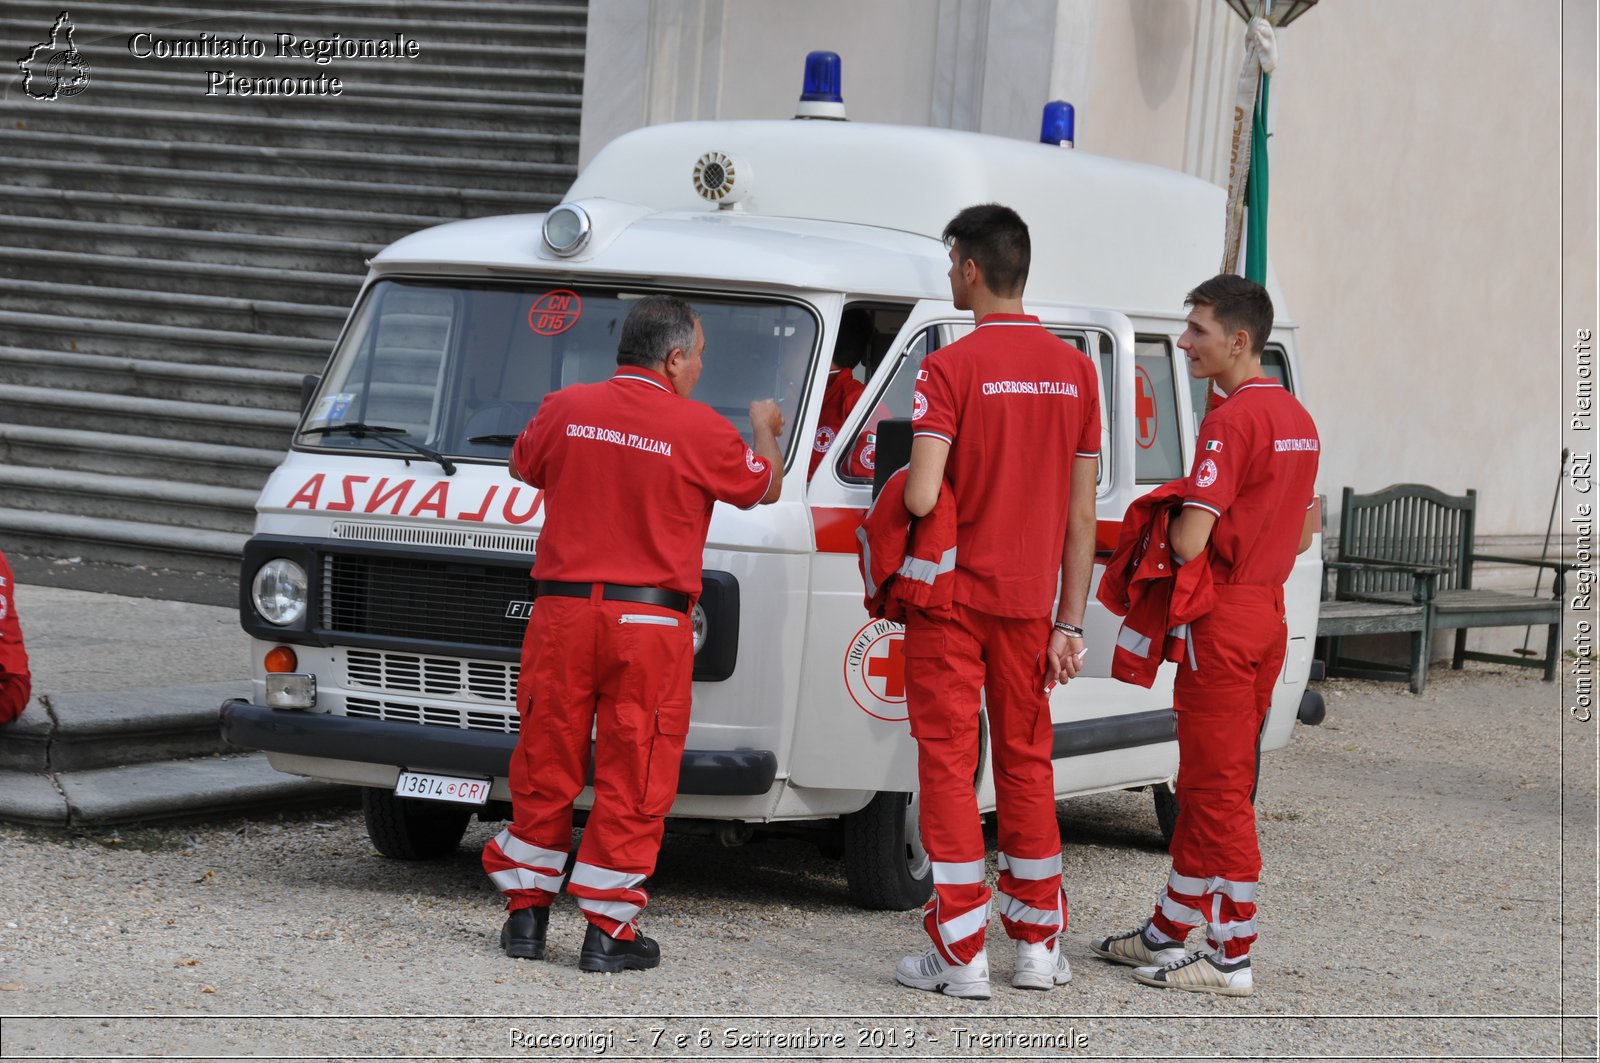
x=621, y=671
x=1223, y=691
x=948, y=662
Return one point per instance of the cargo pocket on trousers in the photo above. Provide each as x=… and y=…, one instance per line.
x=929, y=713
x=666, y=758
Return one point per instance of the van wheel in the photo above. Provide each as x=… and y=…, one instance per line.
x=885, y=866
x=412, y=830
x=1166, y=810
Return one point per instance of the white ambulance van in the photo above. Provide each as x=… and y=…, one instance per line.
x=386, y=587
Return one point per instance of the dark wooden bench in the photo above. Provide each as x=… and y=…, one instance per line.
x=1343, y=614
x=1416, y=527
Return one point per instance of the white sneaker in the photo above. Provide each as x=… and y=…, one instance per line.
x=1040, y=966
x=930, y=971
x=1199, y=972
x=1135, y=950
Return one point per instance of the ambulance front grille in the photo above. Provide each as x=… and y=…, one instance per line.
x=447, y=677
x=434, y=715
x=469, y=603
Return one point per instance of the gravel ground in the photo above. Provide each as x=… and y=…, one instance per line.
x=1413, y=906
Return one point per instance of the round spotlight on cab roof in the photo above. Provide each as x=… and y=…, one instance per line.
x=566, y=229
x=721, y=179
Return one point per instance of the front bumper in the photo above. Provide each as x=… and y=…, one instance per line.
x=424, y=747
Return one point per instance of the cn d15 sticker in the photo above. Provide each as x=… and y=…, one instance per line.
x=554, y=312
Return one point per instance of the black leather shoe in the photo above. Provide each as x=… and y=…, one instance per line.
x=602, y=952
x=523, y=935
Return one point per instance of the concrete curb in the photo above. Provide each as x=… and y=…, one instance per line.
x=158, y=791
x=154, y=754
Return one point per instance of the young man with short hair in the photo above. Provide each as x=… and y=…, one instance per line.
x=1008, y=420
x=1247, y=512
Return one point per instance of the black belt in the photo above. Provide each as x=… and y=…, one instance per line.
x=614, y=592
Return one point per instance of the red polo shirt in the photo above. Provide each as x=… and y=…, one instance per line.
x=630, y=472
x=1017, y=405
x=1255, y=467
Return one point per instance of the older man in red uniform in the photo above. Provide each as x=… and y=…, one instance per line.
x=630, y=470
x=1249, y=499
x=1008, y=420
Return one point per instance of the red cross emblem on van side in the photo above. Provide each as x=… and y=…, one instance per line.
x=1144, y=408
x=891, y=668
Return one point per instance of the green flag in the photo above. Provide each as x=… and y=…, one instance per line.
x=1255, y=196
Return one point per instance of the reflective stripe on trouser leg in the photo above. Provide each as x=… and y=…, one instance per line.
x=1032, y=905
x=1025, y=921
x=1221, y=702
x=556, y=706
x=610, y=899
x=944, y=675
x=529, y=875
x=642, y=722
x=1177, y=912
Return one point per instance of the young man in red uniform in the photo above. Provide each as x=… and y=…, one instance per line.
x=630, y=470
x=1249, y=499
x=16, y=683
x=1008, y=420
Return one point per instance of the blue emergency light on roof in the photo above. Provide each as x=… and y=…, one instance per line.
x=820, y=95
x=1057, y=127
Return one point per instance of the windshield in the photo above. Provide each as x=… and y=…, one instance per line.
x=460, y=368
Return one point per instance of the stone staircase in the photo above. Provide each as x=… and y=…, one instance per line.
x=173, y=264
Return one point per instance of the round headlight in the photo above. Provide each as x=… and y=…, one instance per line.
x=566, y=229
x=697, y=624
x=279, y=592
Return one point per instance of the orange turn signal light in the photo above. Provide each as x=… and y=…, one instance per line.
x=281, y=659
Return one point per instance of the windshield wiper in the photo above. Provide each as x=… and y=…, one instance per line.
x=387, y=435
x=497, y=440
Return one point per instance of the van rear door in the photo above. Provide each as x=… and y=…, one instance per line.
x=851, y=732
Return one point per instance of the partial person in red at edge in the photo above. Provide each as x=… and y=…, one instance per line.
x=16, y=683
x=1020, y=463
x=1247, y=511
x=609, y=649
x=839, y=397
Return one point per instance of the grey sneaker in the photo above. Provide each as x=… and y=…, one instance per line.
x=1200, y=972
x=1135, y=950
x=1040, y=966
x=930, y=971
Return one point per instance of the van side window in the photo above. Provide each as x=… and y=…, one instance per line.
x=857, y=461
x=1101, y=350
x=1159, y=454
x=1274, y=365
x=861, y=341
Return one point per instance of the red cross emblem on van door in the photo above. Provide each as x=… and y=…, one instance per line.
x=875, y=670
x=890, y=667
x=1144, y=408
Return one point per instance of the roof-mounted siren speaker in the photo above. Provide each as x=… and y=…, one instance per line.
x=721, y=179
x=820, y=97
x=1058, y=125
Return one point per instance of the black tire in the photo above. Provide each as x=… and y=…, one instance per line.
x=885, y=866
x=1313, y=710
x=412, y=830
x=1166, y=810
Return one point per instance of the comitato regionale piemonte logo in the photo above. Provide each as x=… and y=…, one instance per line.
x=55, y=69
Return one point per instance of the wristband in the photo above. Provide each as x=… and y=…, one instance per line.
x=1070, y=630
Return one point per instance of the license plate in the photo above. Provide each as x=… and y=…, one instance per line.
x=427, y=787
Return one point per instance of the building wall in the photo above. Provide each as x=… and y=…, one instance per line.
x=1432, y=219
